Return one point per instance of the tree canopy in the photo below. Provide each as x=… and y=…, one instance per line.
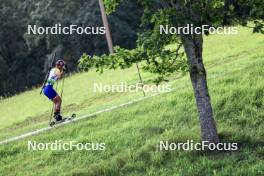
x=151, y=44
x=24, y=58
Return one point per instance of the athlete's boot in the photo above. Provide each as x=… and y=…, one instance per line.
x=57, y=116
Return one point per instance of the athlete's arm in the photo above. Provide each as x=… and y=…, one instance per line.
x=59, y=73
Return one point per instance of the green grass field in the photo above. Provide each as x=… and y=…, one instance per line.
x=235, y=79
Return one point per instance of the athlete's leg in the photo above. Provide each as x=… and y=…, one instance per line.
x=57, y=103
x=52, y=95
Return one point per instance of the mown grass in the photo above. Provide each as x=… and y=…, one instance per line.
x=131, y=134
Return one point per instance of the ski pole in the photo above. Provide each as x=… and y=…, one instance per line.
x=53, y=106
x=52, y=110
x=62, y=87
x=62, y=90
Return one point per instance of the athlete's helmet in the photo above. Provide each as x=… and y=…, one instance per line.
x=61, y=63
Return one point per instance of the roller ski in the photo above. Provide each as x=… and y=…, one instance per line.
x=58, y=119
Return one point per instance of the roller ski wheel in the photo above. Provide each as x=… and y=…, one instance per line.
x=52, y=123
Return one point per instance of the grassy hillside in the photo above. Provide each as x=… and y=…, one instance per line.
x=235, y=78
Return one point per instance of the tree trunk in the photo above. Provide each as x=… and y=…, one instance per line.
x=193, y=46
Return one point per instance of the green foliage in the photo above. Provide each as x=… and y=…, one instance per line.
x=151, y=44
x=259, y=27
x=162, y=64
x=111, y=5
x=122, y=58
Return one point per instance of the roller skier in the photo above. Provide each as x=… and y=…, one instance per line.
x=54, y=75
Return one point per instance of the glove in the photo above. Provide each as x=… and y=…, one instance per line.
x=65, y=68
